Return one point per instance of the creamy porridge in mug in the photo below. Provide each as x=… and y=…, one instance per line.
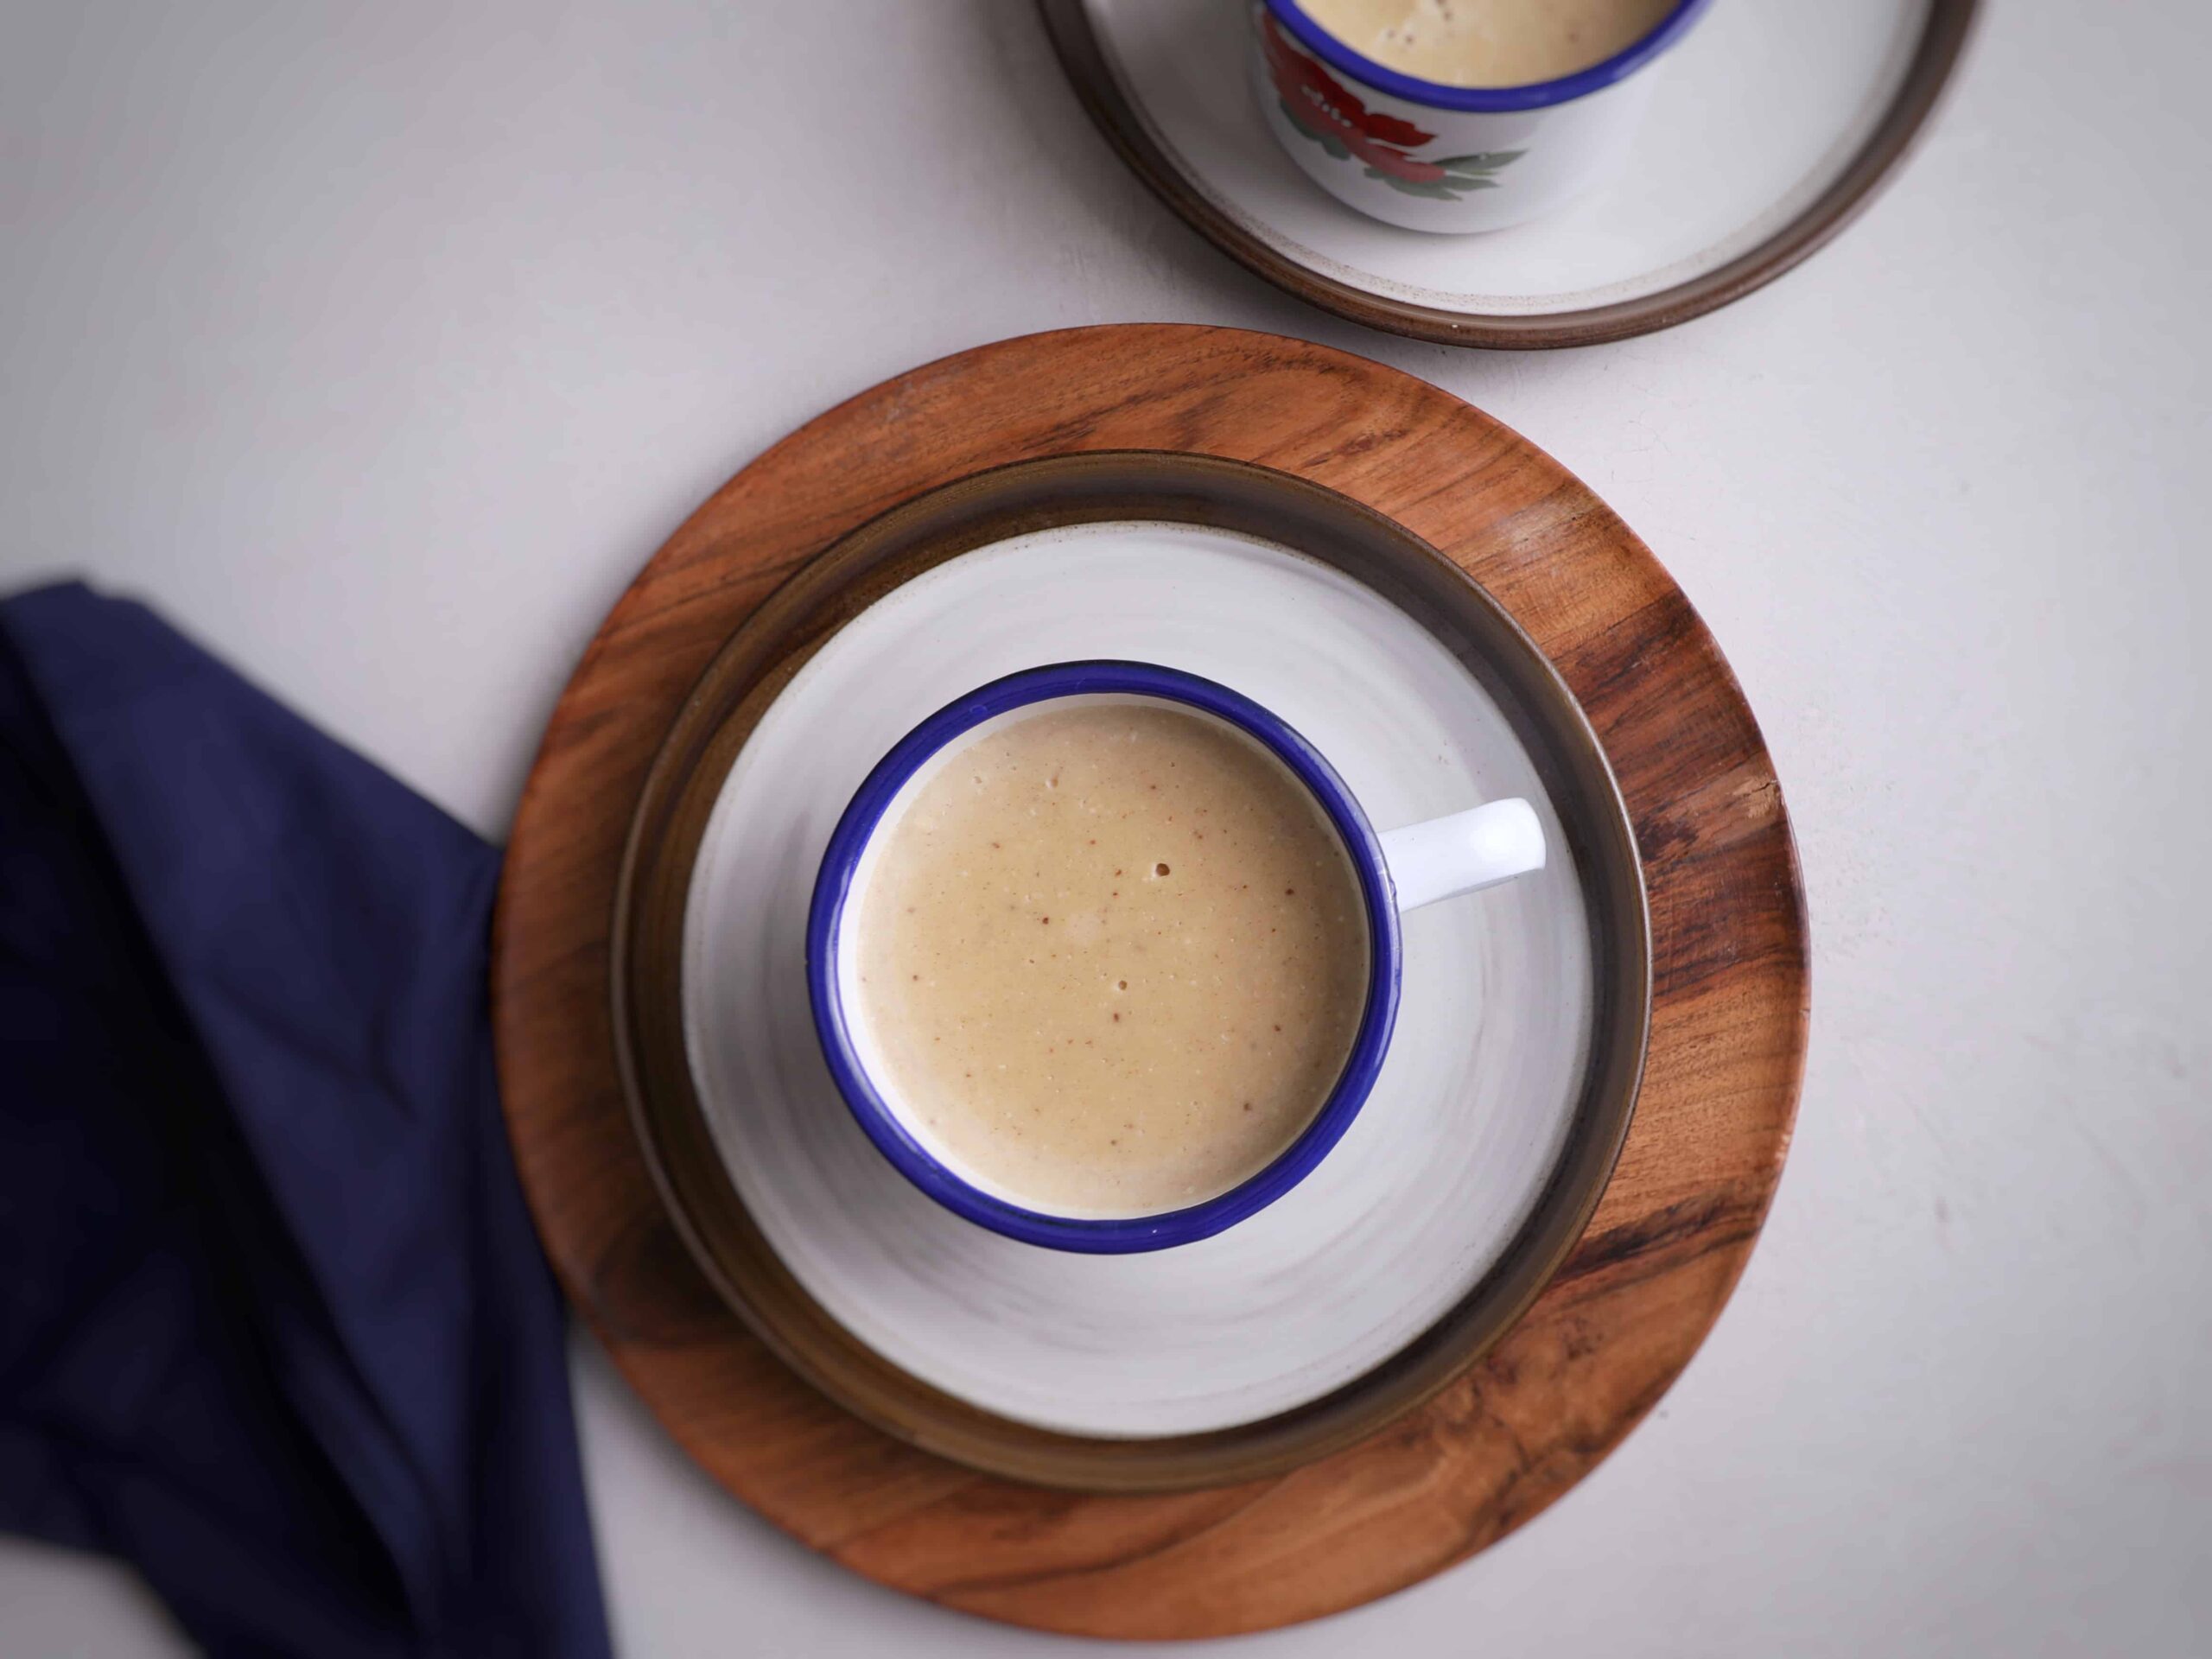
x=1489, y=42
x=1112, y=956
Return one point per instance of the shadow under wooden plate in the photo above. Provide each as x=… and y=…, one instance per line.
x=1609, y=1333
x=776, y=640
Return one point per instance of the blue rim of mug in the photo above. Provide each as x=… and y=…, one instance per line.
x=1536, y=95
x=1100, y=1234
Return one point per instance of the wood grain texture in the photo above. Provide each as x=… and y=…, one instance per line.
x=1669, y=1239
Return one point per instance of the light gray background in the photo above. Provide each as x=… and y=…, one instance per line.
x=380, y=345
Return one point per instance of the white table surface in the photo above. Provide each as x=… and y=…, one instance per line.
x=380, y=345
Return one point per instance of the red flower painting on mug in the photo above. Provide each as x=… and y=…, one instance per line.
x=1324, y=109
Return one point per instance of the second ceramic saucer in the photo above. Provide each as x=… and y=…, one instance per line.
x=1771, y=126
x=1490, y=1133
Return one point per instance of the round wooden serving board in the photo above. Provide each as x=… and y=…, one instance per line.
x=1670, y=1238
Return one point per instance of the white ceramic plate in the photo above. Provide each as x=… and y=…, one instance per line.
x=1771, y=123
x=1404, y=1218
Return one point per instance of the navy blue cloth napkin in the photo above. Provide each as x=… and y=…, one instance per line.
x=274, y=1325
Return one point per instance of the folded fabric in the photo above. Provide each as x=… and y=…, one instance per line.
x=274, y=1325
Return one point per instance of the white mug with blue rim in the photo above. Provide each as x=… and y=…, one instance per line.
x=1431, y=156
x=1398, y=871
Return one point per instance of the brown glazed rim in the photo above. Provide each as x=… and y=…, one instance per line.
x=1935, y=60
x=759, y=660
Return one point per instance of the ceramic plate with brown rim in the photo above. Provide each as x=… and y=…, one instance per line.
x=1772, y=125
x=1457, y=1192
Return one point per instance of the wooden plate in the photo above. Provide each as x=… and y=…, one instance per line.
x=1773, y=126
x=720, y=715
x=1608, y=1333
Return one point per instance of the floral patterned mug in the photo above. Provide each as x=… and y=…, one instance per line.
x=1434, y=157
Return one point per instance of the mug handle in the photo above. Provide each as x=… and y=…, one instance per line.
x=1463, y=853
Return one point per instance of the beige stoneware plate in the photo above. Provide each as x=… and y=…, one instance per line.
x=1773, y=124
x=1466, y=1179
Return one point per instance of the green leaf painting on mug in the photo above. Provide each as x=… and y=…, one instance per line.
x=1487, y=162
x=1461, y=172
x=1433, y=189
